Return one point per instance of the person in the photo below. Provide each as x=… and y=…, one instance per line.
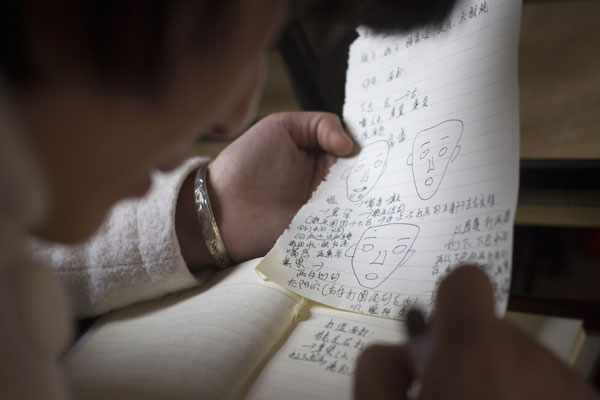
x=96, y=95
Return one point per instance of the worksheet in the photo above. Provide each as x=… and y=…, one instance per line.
x=435, y=181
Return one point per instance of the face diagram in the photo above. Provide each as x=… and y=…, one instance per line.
x=380, y=251
x=433, y=150
x=366, y=171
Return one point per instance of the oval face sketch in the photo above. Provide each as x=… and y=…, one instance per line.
x=366, y=171
x=433, y=150
x=380, y=251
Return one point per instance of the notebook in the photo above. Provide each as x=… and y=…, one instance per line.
x=211, y=343
x=241, y=337
x=435, y=114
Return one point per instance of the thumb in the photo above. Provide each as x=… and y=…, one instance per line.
x=464, y=306
x=319, y=130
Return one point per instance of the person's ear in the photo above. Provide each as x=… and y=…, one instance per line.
x=408, y=255
x=351, y=250
x=346, y=173
x=409, y=160
x=455, y=152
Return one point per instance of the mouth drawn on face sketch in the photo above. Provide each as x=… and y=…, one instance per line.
x=366, y=170
x=433, y=150
x=380, y=251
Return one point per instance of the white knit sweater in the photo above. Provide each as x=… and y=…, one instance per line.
x=134, y=256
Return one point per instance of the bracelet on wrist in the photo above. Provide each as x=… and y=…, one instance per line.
x=208, y=225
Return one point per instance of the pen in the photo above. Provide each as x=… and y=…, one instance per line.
x=421, y=345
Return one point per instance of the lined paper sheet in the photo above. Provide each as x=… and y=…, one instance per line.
x=435, y=113
x=318, y=358
x=202, y=344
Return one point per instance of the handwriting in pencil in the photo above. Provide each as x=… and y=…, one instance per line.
x=380, y=251
x=334, y=346
x=366, y=171
x=433, y=150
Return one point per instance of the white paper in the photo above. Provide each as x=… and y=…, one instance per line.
x=436, y=115
x=199, y=344
x=318, y=359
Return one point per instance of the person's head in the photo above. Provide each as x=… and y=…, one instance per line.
x=107, y=90
x=367, y=170
x=380, y=250
x=433, y=149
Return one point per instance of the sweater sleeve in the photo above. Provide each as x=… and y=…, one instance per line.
x=134, y=256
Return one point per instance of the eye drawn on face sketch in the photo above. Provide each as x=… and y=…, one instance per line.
x=433, y=150
x=380, y=251
x=366, y=170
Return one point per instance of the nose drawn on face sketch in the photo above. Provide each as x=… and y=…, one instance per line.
x=380, y=251
x=366, y=170
x=433, y=150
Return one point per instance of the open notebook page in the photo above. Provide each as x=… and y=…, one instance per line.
x=435, y=113
x=317, y=360
x=202, y=344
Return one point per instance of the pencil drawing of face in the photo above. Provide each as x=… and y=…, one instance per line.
x=366, y=171
x=433, y=150
x=380, y=251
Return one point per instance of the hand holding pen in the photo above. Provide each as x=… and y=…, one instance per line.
x=464, y=353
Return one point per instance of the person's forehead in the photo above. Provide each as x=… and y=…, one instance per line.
x=427, y=139
x=375, y=151
x=380, y=146
x=381, y=233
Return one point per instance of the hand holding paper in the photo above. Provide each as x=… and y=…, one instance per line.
x=259, y=181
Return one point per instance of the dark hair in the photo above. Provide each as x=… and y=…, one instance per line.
x=400, y=16
x=383, y=16
x=127, y=42
x=117, y=42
